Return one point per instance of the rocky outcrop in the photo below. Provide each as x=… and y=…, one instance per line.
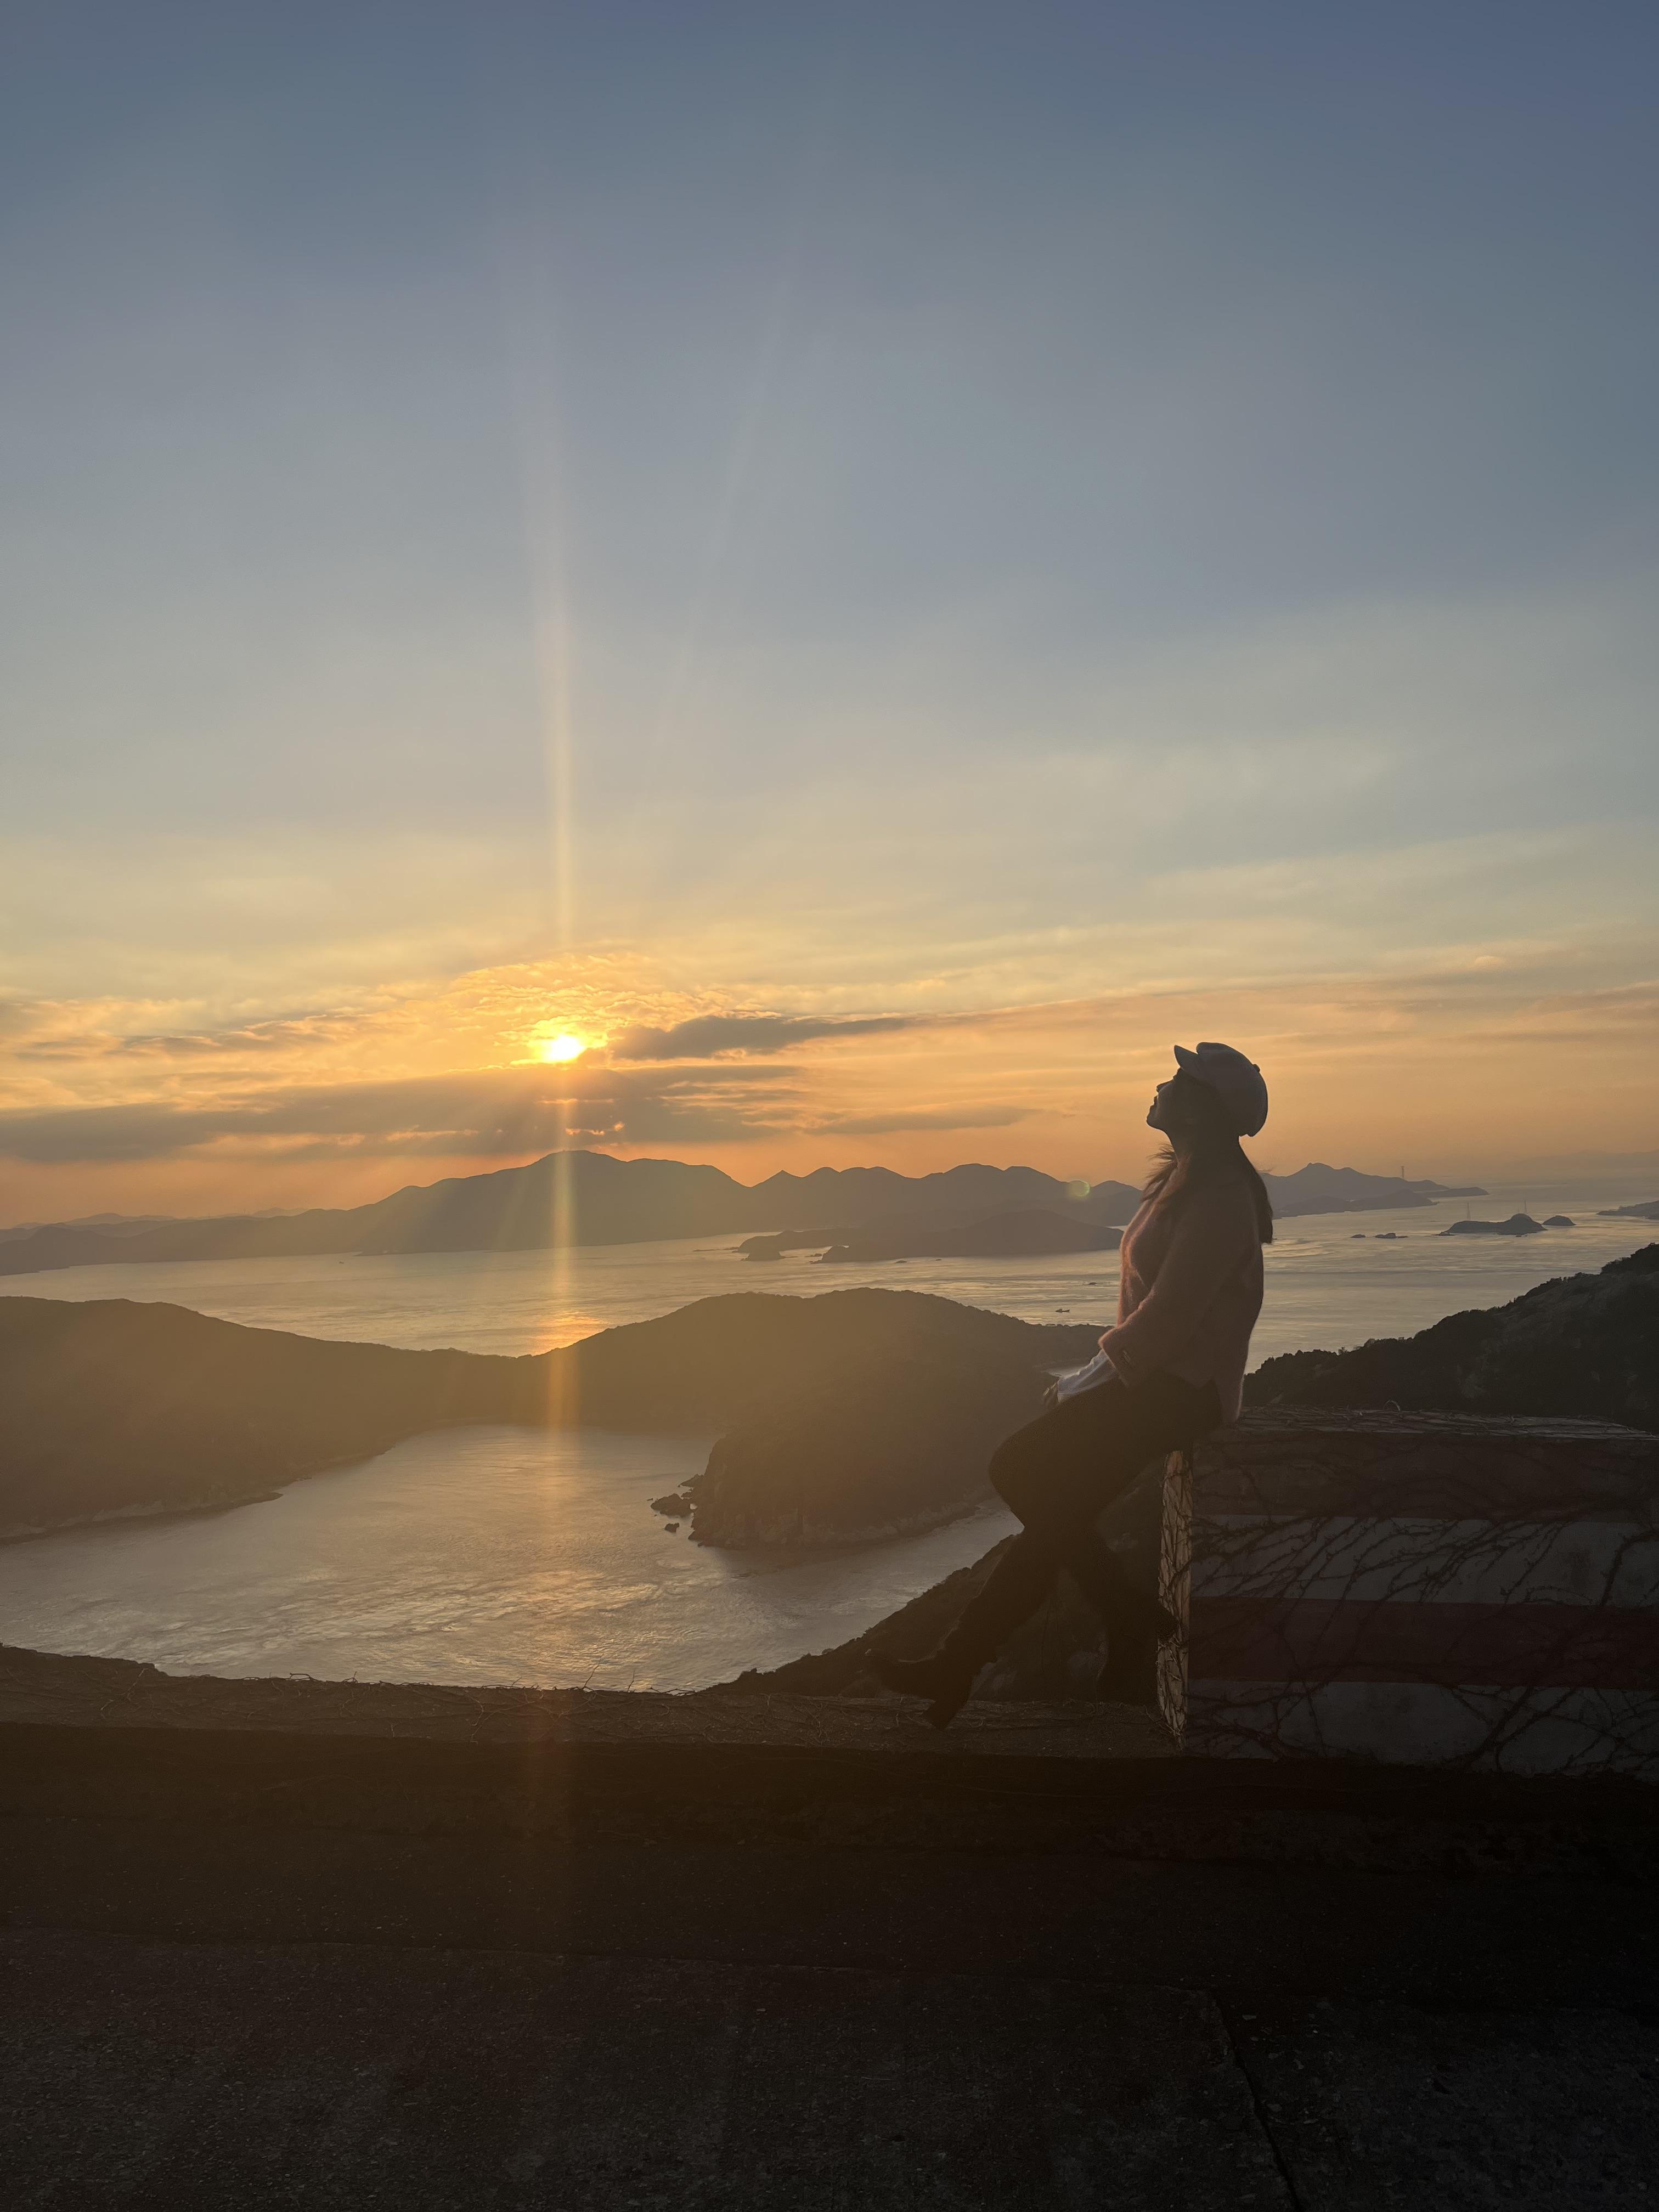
x=882, y=1445
x=1056, y=1654
x=1586, y=1346
x=786, y=1240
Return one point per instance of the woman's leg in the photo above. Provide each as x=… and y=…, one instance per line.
x=1057, y=1473
x=1011, y=1593
x=1107, y=1584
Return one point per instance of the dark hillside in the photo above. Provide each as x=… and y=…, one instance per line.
x=874, y=1447
x=108, y=1405
x=706, y=1365
x=112, y=1405
x=1585, y=1345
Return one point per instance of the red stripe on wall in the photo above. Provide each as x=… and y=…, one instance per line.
x=1501, y=1646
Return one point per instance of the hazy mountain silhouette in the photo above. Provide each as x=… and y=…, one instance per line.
x=1319, y=1189
x=109, y=1406
x=590, y=1197
x=122, y=1224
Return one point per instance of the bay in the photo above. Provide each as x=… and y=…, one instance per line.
x=470, y=1556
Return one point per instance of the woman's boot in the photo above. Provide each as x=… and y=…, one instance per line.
x=1016, y=1586
x=943, y=1679
x=1128, y=1673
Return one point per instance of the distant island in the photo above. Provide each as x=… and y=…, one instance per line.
x=575, y=1197
x=1318, y=1188
x=1518, y=1225
x=586, y=1198
x=1029, y=1232
x=1016, y=1232
x=1647, y=1211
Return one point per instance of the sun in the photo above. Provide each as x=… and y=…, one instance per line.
x=562, y=1047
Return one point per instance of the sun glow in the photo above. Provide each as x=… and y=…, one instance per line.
x=562, y=1047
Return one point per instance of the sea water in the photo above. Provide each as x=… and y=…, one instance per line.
x=475, y=1555
x=511, y=1555
x=1330, y=1281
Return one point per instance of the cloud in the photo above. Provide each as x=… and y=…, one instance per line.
x=941, y=1117
x=1495, y=1049
x=489, y=1112
x=294, y=1034
x=708, y=1037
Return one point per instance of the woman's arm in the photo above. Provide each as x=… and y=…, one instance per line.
x=1212, y=1241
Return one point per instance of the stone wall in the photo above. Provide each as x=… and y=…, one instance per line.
x=1417, y=1588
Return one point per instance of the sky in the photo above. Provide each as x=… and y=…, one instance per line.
x=850, y=573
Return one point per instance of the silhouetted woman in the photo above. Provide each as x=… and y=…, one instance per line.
x=1172, y=1369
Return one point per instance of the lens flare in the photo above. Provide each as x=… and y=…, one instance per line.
x=562, y=1047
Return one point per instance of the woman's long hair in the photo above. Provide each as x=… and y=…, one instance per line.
x=1215, y=1154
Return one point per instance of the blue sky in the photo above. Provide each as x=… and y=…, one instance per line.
x=863, y=511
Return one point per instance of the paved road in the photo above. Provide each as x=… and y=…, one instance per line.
x=228, y=2016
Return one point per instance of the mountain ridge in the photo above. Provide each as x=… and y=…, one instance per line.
x=590, y=1197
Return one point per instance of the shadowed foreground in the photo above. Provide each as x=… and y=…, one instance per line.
x=268, y=1945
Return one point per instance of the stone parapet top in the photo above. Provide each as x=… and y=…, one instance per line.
x=62, y=1691
x=1304, y=1460
x=1388, y=1424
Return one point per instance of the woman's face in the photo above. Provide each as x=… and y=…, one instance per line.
x=1175, y=1108
x=1164, y=1113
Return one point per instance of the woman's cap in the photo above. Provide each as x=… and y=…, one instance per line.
x=1238, y=1080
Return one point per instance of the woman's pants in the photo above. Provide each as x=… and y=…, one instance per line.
x=1059, y=1473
